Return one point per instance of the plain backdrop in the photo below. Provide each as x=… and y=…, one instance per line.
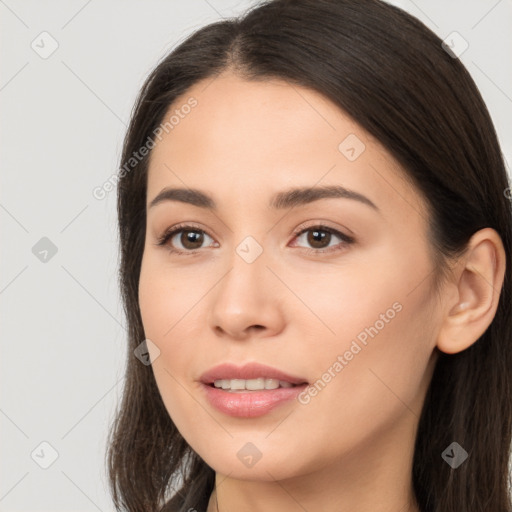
x=70, y=71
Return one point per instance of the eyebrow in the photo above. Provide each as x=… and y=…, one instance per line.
x=286, y=199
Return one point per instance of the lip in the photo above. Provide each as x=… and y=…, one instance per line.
x=249, y=404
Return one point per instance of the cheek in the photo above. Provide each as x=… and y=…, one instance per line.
x=164, y=298
x=374, y=385
x=342, y=304
x=376, y=332
x=169, y=310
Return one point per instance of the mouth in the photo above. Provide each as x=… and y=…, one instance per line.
x=251, y=390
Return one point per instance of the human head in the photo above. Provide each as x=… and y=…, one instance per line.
x=447, y=149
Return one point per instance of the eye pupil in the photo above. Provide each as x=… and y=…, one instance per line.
x=191, y=237
x=318, y=236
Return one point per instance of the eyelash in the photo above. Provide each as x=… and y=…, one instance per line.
x=169, y=234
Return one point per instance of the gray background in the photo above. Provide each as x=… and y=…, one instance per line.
x=63, y=119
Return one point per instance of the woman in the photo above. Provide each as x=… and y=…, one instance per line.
x=315, y=259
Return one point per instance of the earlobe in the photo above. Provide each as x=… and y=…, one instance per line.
x=478, y=283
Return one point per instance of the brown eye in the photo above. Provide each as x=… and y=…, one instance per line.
x=319, y=238
x=191, y=239
x=183, y=239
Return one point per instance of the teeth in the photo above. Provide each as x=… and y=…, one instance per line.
x=251, y=384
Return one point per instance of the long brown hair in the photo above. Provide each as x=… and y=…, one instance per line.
x=391, y=74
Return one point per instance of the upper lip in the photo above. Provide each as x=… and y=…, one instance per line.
x=230, y=371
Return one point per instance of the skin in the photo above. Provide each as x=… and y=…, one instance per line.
x=351, y=447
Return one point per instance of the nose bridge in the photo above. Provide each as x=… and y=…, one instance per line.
x=247, y=265
x=242, y=298
x=248, y=236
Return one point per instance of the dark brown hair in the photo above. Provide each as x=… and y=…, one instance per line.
x=390, y=73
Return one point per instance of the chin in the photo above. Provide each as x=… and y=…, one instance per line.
x=243, y=461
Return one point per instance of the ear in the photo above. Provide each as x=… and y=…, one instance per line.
x=477, y=286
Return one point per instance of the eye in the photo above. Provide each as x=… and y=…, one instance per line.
x=191, y=238
x=320, y=237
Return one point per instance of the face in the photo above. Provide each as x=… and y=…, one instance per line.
x=331, y=290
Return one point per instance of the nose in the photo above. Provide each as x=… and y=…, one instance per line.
x=247, y=301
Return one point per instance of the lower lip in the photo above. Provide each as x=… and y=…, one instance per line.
x=252, y=403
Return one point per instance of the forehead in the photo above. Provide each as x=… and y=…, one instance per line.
x=253, y=138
